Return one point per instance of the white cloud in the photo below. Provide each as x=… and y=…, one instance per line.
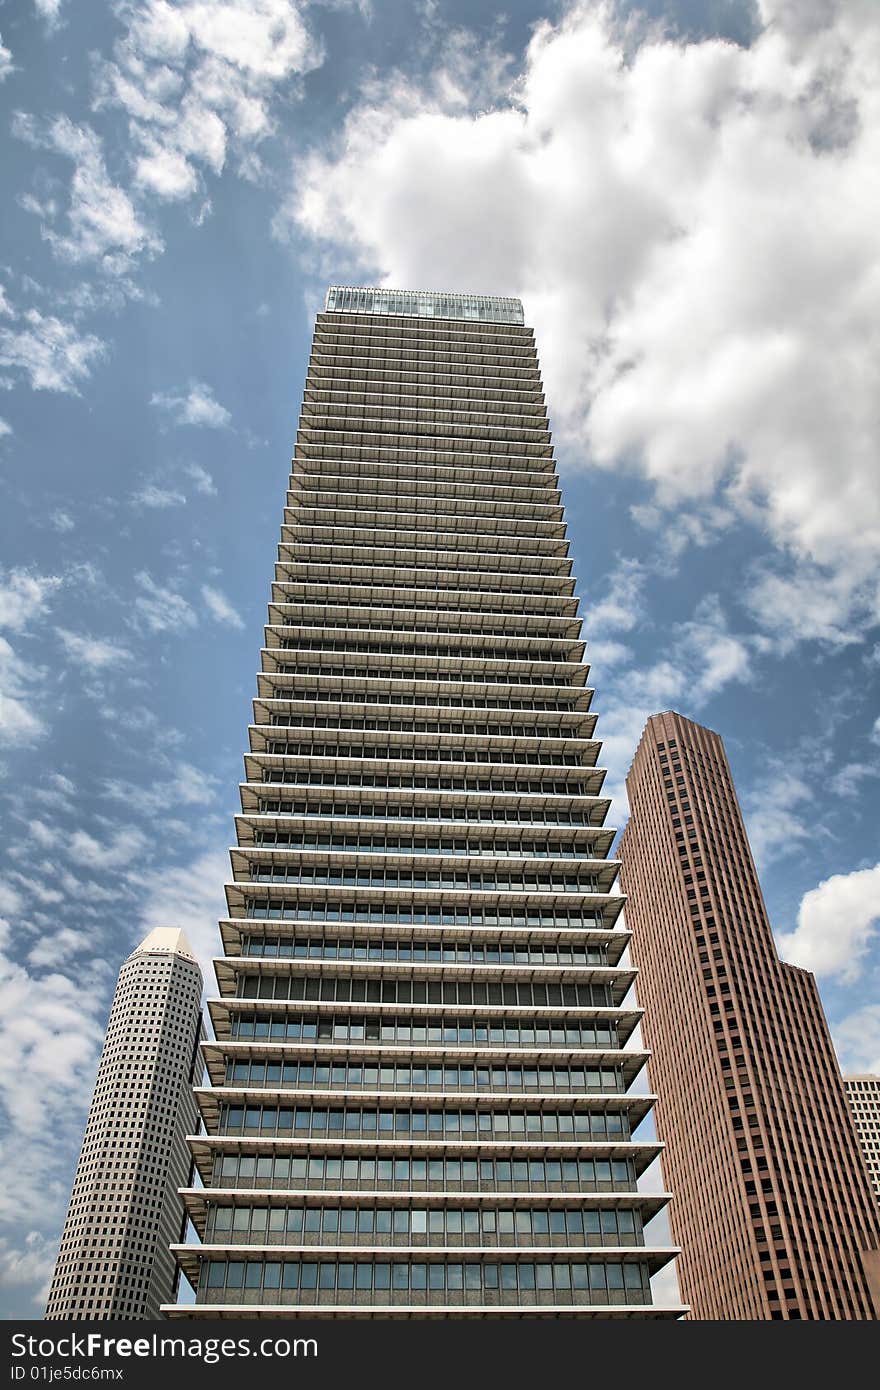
x=189, y=786
x=51, y=352
x=62, y=521
x=875, y=731
x=93, y=652
x=202, y=479
x=125, y=844
x=49, y=10
x=24, y=596
x=620, y=605
x=775, y=827
x=197, y=79
x=6, y=64
x=857, y=1038
x=162, y=610
x=837, y=922
x=690, y=227
x=104, y=225
x=190, y=897
x=30, y=1264
x=50, y=1036
x=196, y=406
x=220, y=608
x=157, y=497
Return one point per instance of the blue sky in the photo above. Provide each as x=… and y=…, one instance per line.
x=685, y=199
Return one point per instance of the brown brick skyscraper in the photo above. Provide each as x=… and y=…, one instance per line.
x=772, y=1204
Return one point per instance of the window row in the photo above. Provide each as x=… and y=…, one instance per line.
x=303, y=777
x=452, y=1223
x=412, y=699
x=521, y=992
x=480, y=651
x=352, y=1120
x=422, y=878
x=484, y=1174
x=378, y=810
x=404, y=1030
x=464, y=952
x=435, y=674
x=400, y=844
x=491, y=917
x=508, y=1078
x=406, y=753
x=293, y=720
x=559, y=1281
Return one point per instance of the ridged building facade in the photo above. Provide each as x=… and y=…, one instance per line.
x=419, y=1097
x=125, y=1211
x=772, y=1204
x=863, y=1094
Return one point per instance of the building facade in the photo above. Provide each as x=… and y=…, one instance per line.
x=419, y=1097
x=772, y=1205
x=125, y=1208
x=863, y=1094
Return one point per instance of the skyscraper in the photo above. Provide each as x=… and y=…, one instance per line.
x=125, y=1208
x=419, y=1089
x=772, y=1205
x=863, y=1094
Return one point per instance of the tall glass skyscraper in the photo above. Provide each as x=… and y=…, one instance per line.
x=419, y=1095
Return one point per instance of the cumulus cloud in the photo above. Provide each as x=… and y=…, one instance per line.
x=220, y=608
x=690, y=227
x=103, y=222
x=837, y=921
x=195, y=406
x=53, y=353
x=6, y=64
x=161, y=609
x=198, y=80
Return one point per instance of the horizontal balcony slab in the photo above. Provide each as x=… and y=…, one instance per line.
x=233, y=1311
x=233, y=930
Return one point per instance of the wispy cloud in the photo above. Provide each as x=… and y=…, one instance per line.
x=196, y=81
x=162, y=609
x=219, y=607
x=62, y=521
x=157, y=498
x=93, y=652
x=103, y=222
x=195, y=406
x=201, y=479
x=6, y=64
x=54, y=354
x=24, y=596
